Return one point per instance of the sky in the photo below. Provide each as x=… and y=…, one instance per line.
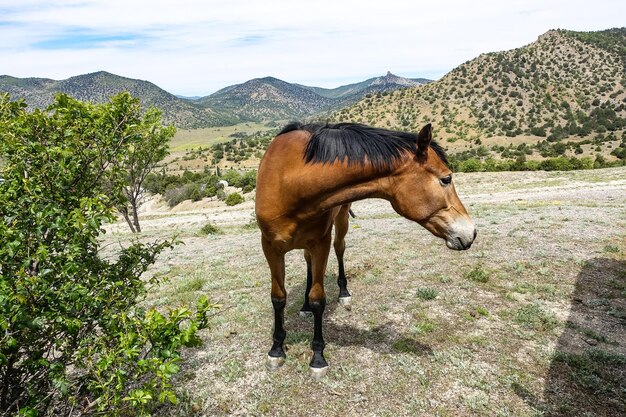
x=196, y=47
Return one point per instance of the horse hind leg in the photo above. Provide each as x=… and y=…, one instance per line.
x=341, y=229
x=276, y=261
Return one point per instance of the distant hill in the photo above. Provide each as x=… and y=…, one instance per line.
x=273, y=99
x=565, y=85
x=267, y=99
x=98, y=87
x=354, y=92
x=260, y=99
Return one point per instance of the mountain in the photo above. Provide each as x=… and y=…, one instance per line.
x=273, y=99
x=565, y=85
x=260, y=99
x=267, y=99
x=98, y=87
x=355, y=92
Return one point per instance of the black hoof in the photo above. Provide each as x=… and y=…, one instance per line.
x=306, y=311
x=318, y=361
x=344, y=293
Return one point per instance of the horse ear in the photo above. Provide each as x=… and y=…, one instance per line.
x=424, y=137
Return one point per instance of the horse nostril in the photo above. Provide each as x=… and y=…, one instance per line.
x=475, y=233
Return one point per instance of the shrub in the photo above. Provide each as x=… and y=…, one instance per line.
x=477, y=274
x=234, y=199
x=470, y=165
x=556, y=164
x=427, y=293
x=210, y=229
x=73, y=335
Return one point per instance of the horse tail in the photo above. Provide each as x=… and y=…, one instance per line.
x=352, y=213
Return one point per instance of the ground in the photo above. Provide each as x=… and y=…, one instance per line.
x=530, y=321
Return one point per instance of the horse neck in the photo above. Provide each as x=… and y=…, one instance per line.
x=347, y=183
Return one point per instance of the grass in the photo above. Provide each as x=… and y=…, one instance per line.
x=611, y=248
x=477, y=274
x=596, y=370
x=500, y=330
x=534, y=317
x=427, y=293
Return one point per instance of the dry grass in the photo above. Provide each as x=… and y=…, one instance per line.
x=530, y=321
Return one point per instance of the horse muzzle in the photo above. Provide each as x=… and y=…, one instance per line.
x=461, y=235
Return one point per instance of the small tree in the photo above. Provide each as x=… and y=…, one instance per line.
x=73, y=338
x=150, y=145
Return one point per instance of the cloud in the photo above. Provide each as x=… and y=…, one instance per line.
x=195, y=47
x=85, y=39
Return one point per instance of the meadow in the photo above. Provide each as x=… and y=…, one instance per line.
x=530, y=321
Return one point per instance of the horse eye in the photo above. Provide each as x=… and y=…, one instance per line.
x=446, y=180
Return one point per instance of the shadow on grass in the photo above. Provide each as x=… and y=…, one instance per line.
x=380, y=339
x=587, y=375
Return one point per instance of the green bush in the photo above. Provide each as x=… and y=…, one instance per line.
x=470, y=165
x=234, y=199
x=426, y=293
x=73, y=335
x=477, y=274
x=210, y=229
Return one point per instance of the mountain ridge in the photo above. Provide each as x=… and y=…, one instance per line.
x=99, y=86
x=259, y=99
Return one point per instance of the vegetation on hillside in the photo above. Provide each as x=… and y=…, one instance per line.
x=562, y=86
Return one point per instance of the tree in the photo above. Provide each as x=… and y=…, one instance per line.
x=150, y=145
x=73, y=336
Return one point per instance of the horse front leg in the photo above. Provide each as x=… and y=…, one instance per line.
x=276, y=261
x=317, y=302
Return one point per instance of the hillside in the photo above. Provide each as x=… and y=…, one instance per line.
x=565, y=86
x=99, y=86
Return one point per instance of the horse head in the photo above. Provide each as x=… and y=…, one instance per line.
x=422, y=190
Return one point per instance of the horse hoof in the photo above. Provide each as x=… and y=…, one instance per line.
x=346, y=302
x=275, y=362
x=306, y=313
x=318, y=373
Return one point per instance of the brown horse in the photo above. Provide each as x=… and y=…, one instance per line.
x=305, y=183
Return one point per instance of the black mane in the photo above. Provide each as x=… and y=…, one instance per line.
x=356, y=143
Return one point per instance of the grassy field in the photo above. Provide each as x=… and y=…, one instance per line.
x=196, y=138
x=530, y=321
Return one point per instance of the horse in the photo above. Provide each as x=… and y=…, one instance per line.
x=308, y=177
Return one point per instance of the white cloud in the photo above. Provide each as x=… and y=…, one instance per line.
x=195, y=47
